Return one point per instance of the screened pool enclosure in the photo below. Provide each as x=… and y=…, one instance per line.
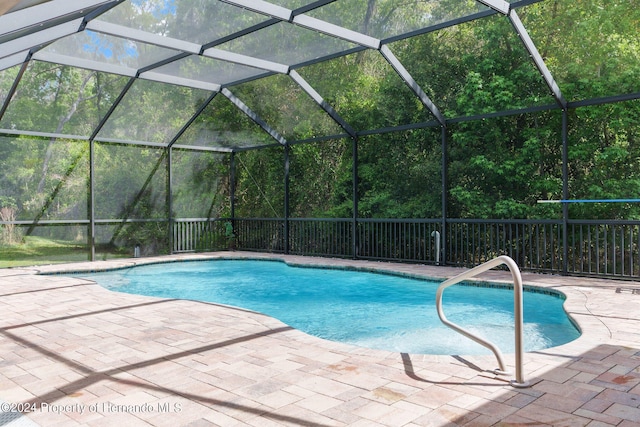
x=436, y=131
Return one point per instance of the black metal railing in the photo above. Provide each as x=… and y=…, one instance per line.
x=604, y=248
x=534, y=245
x=593, y=248
x=397, y=239
x=260, y=234
x=321, y=236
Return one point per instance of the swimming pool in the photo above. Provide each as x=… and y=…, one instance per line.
x=365, y=309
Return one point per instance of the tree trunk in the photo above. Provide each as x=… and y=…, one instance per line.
x=63, y=120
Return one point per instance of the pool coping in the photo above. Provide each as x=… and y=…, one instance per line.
x=591, y=329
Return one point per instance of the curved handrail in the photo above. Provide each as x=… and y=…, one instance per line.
x=517, y=303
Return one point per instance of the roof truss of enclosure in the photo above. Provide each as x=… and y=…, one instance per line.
x=211, y=49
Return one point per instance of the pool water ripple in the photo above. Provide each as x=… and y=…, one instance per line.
x=366, y=309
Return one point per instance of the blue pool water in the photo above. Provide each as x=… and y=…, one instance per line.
x=364, y=309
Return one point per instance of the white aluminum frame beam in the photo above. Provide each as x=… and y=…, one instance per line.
x=253, y=116
x=264, y=8
x=201, y=148
x=13, y=60
x=123, y=71
x=165, y=78
x=40, y=38
x=43, y=134
x=84, y=63
x=413, y=85
x=250, y=61
x=537, y=58
x=183, y=46
x=143, y=36
x=306, y=21
x=337, y=31
x=39, y=15
x=322, y=103
x=497, y=5
x=127, y=142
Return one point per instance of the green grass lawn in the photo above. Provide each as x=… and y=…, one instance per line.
x=40, y=251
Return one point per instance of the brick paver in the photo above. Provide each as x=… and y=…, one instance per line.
x=73, y=353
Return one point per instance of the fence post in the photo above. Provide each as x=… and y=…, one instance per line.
x=287, y=150
x=445, y=159
x=565, y=192
x=354, y=172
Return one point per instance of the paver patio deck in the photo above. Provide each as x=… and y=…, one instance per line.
x=73, y=353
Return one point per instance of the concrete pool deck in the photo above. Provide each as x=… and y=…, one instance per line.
x=73, y=353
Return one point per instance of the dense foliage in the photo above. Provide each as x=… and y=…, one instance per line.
x=497, y=167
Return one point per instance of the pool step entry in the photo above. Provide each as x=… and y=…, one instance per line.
x=517, y=304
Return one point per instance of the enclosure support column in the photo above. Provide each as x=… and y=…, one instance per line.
x=91, y=240
x=565, y=191
x=96, y=131
x=170, y=219
x=445, y=185
x=232, y=187
x=287, y=149
x=354, y=173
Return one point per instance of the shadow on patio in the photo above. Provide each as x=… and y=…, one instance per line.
x=87, y=356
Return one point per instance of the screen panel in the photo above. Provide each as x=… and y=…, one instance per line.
x=7, y=78
x=384, y=18
x=366, y=91
x=600, y=54
x=500, y=167
x=320, y=178
x=199, y=21
x=223, y=125
x=287, y=108
x=153, y=112
x=44, y=179
x=61, y=99
x=130, y=182
x=604, y=160
x=43, y=245
x=474, y=68
x=400, y=174
x=200, y=184
x=126, y=240
x=288, y=44
x=108, y=49
x=259, y=192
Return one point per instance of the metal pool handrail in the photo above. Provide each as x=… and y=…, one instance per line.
x=517, y=303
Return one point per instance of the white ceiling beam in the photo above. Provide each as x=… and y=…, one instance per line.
x=322, y=103
x=87, y=64
x=250, y=61
x=537, y=58
x=497, y=5
x=336, y=31
x=13, y=60
x=143, y=36
x=41, y=14
x=253, y=116
x=40, y=38
x=166, y=78
x=183, y=46
x=264, y=8
x=413, y=85
x=306, y=21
